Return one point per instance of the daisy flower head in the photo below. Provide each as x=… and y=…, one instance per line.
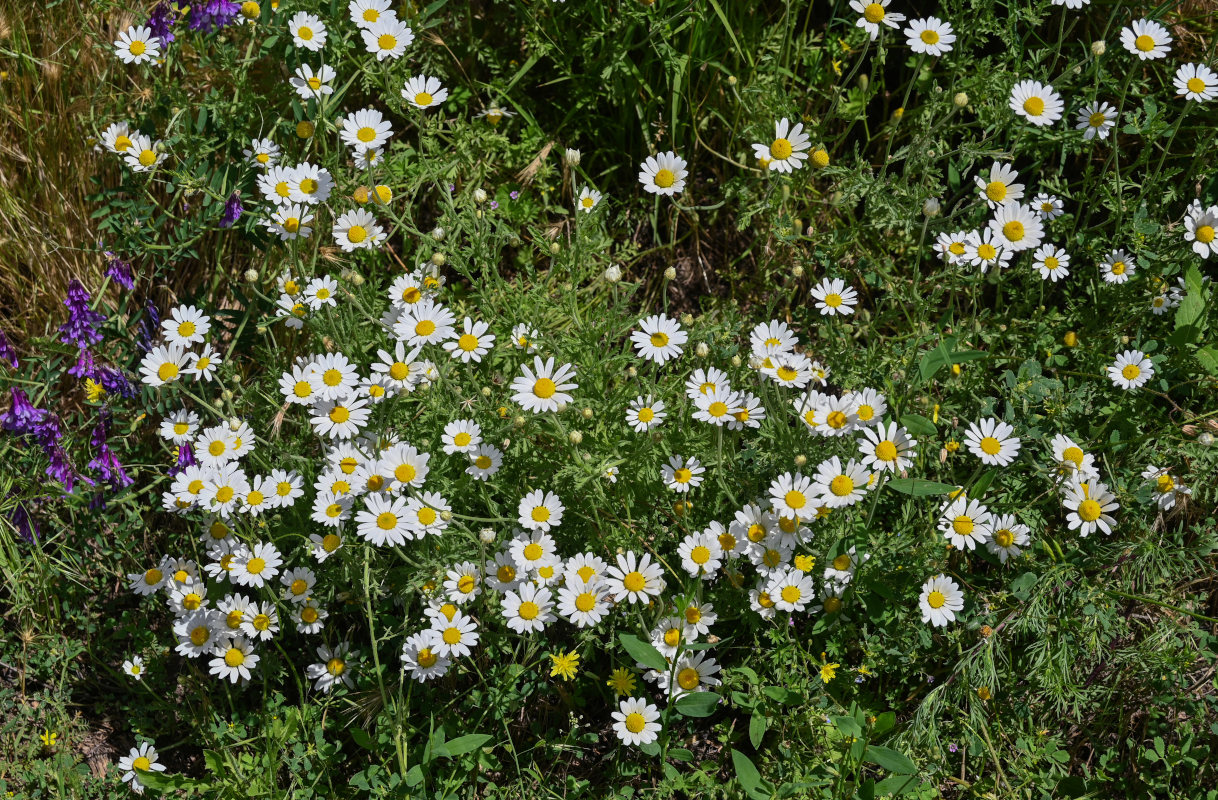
x=1146, y=39
x=134, y=667
x=322, y=547
x=1072, y=4
x=1167, y=487
x=313, y=85
x=340, y=417
x=495, y=114
x=774, y=336
x=1196, y=82
x=425, y=322
x=140, y=760
x=836, y=416
x=1199, y=228
x=843, y=566
x=357, y=229
x=660, y=339
x=951, y=246
x=524, y=337
x=543, y=388
x=583, y=603
x=117, y=137
x=931, y=36
x=425, y=514
x=588, y=199
x=986, y=249
x=793, y=495
x=366, y=128
x=1052, y=262
x=1118, y=267
x=1008, y=537
x=180, y=426
x=137, y=45
x=276, y=184
x=144, y=154
x=701, y=555
x=636, y=721
x=366, y=13
x=290, y=221
x=261, y=623
x=424, y=92
x=387, y=38
x=420, y=659
x=473, y=343
x=310, y=184
x=1048, y=206
x=1089, y=504
x=309, y=617
x=788, y=150
x=887, y=448
x=257, y=566
x=664, y=173
x=1017, y=226
x=645, y=413
x=717, y=407
x=234, y=658
x=867, y=406
x=407, y=465
x=461, y=436
x=793, y=370
x=163, y=365
x=834, y=297
x=455, y=637
x=332, y=668
x=540, y=511
x=873, y=15
x=966, y=523
x=1160, y=304
x=939, y=601
x=695, y=671
x=992, y=441
x=196, y=632
x=384, y=520
x=463, y=582
x=1001, y=186
x=484, y=461
x=839, y=485
x=297, y=584
x=308, y=31
x=203, y=365
x=1036, y=102
x=529, y=608
x=748, y=414
x=681, y=474
x=634, y=579
x=262, y=153
x=1131, y=370
x=1071, y=459
x=1096, y=120
x=791, y=590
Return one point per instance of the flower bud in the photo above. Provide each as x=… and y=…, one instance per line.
x=479, y=196
x=304, y=129
x=447, y=516
x=518, y=421
x=687, y=319
x=820, y=158
x=736, y=361
x=670, y=274
x=575, y=437
x=931, y=207
x=1206, y=439
x=613, y=274
x=486, y=391
x=571, y=157
x=731, y=80
x=1098, y=47
x=632, y=372
x=360, y=195
x=960, y=100
x=800, y=460
x=251, y=275
x=797, y=271
x=383, y=194
x=487, y=535
x=226, y=396
x=357, y=279
x=439, y=233
x=702, y=351
x=586, y=413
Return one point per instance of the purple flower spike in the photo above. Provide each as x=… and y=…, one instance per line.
x=81, y=327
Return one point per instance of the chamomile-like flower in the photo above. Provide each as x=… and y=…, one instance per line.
x=681, y=474
x=543, y=388
x=473, y=343
x=583, y=603
x=1131, y=370
x=659, y=339
x=529, y=608
x=1196, y=82
x=635, y=721
x=839, y=485
x=461, y=436
x=140, y=760
x=1096, y=120
x=791, y=590
x=1118, y=267
x=388, y=37
x=313, y=85
x=357, y=229
x=1200, y=226
x=137, y=45
x=1001, y=186
x=332, y=668
x=424, y=92
x=1089, y=504
x=384, y=520
x=931, y=36
x=939, y=601
x=456, y=636
x=234, y=658
x=1017, y=226
x=645, y=413
x=484, y=461
x=421, y=659
x=365, y=128
x=1036, y=102
x=788, y=150
x=1048, y=206
x=1146, y=39
x=540, y=510
x=524, y=337
x=873, y=14
x=1052, y=262
x=887, y=448
x=992, y=441
x=307, y=30
x=1008, y=537
x=588, y=199
x=634, y=579
x=664, y=173
x=834, y=297
x=701, y=555
x=986, y=249
x=966, y=523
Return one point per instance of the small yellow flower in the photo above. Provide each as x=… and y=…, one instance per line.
x=934, y=417
x=565, y=665
x=951, y=447
x=837, y=67
x=863, y=670
x=48, y=738
x=984, y=692
x=622, y=682
x=828, y=672
x=957, y=369
x=94, y=391
x=805, y=562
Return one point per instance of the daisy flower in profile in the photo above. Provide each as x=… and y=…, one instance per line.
x=1167, y=487
x=134, y=667
x=1052, y=261
x=307, y=31
x=420, y=659
x=309, y=84
x=1089, y=504
x=1196, y=82
x=424, y=92
x=456, y=636
x=1096, y=120
x=939, y=601
x=1072, y=4
x=540, y=511
x=1008, y=537
x=588, y=199
x=1199, y=228
x=633, y=579
x=163, y=365
x=986, y=249
x=1118, y=267
x=1036, y=102
x=1017, y=226
x=144, y=154
x=137, y=45
x=966, y=523
x=791, y=590
x=387, y=38
x=234, y=658
x=663, y=173
x=873, y=15
x=357, y=229
x=645, y=413
x=473, y=343
x=1146, y=39
x=1048, y=206
x=834, y=297
x=524, y=337
x=495, y=114
x=1001, y=186
x=290, y=221
x=931, y=36
x=838, y=485
x=528, y=609
x=262, y=153
x=635, y=721
x=888, y=448
x=992, y=441
x=543, y=388
x=681, y=475
x=332, y=669
x=701, y=554
x=951, y=246
x=660, y=338
x=140, y=760
x=1131, y=370
x=366, y=128
x=788, y=150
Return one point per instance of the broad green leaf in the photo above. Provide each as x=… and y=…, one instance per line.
x=890, y=760
x=748, y=775
x=757, y=727
x=362, y=738
x=983, y=483
x=643, y=652
x=918, y=425
x=920, y=487
x=680, y=754
x=884, y=723
x=896, y=785
x=1208, y=356
x=697, y=704
x=849, y=726
x=462, y=745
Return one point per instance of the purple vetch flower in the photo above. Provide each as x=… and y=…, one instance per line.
x=119, y=271
x=81, y=327
x=150, y=326
x=7, y=353
x=951, y=748
x=232, y=210
x=186, y=458
x=161, y=22
x=26, y=526
x=514, y=195
x=115, y=382
x=106, y=464
x=22, y=418
x=494, y=205
x=84, y=366
x=211, y=15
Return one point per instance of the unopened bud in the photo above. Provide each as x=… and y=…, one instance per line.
x=1205, y=438
x=518, y=421
x=797, y=271
x=702, y=350
x=575, y=437
x=1070, y=339
x=631, y=372
x=736, y=361
x=960, y=100
x=439, y=233
x=931, y=207
x=555, y=249
x=687, y=319
x=1098, y=47
x=357, y=279
x=820, y=158
x=479, y=196
x=446, y=516
x=800, y=460
x=251, y=275
x=226, y=395
x=571, y=157
x=613, y=274
x=586, y=413
x=486, y=535
x=670, y=274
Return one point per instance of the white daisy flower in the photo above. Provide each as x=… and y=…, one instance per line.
x=1001, y=186
x=1118, y=267
x=939, y=601
x=834, y=297
x=461, y=436
x=357, y=229
x=473, y=343
x=384, y=520
x=259, y=565
x=717, y=407
x=701, y=555
x=1089, y=504
x=583, y=603
x=1017, y=226
x=791, y=590
x=986, y=249
x=992, y=441
x=931, y=36
x=366, y=13
x=313, y=85
x=951, y=246
x=645, y=413
x=144, y=154
x=365, y=128
x=660, y=339
x=1049, y=207
x=276, y=184
x=1096, y=120
x=528, y=609
x=1146, y=39
x=307, y=31
x=425, y=514
x=1196, y=82
x=424, y=92
x=540, y=511
x=290, y=221
x=793, y=495
x=634, y=579
x=788, y=150
x=137, y=45
x=425, y=322
x=524, y=337
x=455, y=637
x=681, y=475
x=140, y=760
x=234, y=658
x=388, y=37
x=664, y=173
x=1052, y=262
x=262, y=153
x=543, y=388
x=839, y=485
x=1199, y=228
x=1131, y=370
x=588, y=199
x=887, y=448
x=1036, y=102
x=332, y=669
x=484, y=461
x=421, y=659
x=966, y=523
x=635, y=721
x=1008, y=537
x=875, y=14
x=310, y=184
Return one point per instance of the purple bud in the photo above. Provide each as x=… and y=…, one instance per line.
x=7, y=353
x=120, y=272
x=232, y=210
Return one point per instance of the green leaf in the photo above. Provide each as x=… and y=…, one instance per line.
x=1208, y=356
x=884, y=723
x=680, y=754
x=781, y=694
x=362, y=738
x=651, y=748
x=462, y=745
x=1190, y=310
x=757, y=727
x=920, y=487
x=748, y=776
x=414, y=776
x=697, y=704
x=849, y=726
x=983, y=483
x=941, y=356
x=918, y=425
x=896, y=785
x=643, y=652
x=890, y=760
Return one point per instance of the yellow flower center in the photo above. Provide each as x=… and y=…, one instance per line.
x=873, y=13
x=672, y=637
x=635, y=722
x=308, y=186
x=138, y=48
x=506, y=573
x=200, y=635
x=1195, y=85
x=1131, y=371
x=1205, y=234
x=330, y=542
x=1073, y=454
x=990, y=446
x=929, y=37
x=167, y=371
x=427, y=658
x=886, y=451
x=665, y=178
x=587, y=202
x=963, y=525
x=387, y=41
x=1118, y=268
x=332, y=377
x=634, y=581
x=308, y=615
x=1004, y=538
x=781, y=149
x=423, y=99
x=682, y=475
x=544, y=388
x=465, y=584
x=688, y=679
x=261, y=622
x=1144, y=43
x=1097, y=120
x=224, y=494
x=693, y=615
x=585, y=602
x=339, y=415
x=841, y=486
x=305, y=33
x=717, y=409
x=468, y=342
x=646, y=415
x=540, y=514
x=787, y=373
x=451, y=636
x=1035, y=106
x=122, y=144
x=836, y=419
x=833, y=605
x=795, y=499
x=1051, y=263
x=386, y=521
x=1089, y=510
x=314, y=83
x=255, y=566
x=427, y=515
x=936, y=599
x=152, y=576
x=791, y=594
x=483, y=462
x=302, y=389
x=987, y=252
x=335, y=666
x=142, y=764
x=234, y=657
x=283, y=190
x=405, y=473
x=357, y=234
x=700, y=554
x=1013, y=230
x=659, y=339
x=529, y=610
